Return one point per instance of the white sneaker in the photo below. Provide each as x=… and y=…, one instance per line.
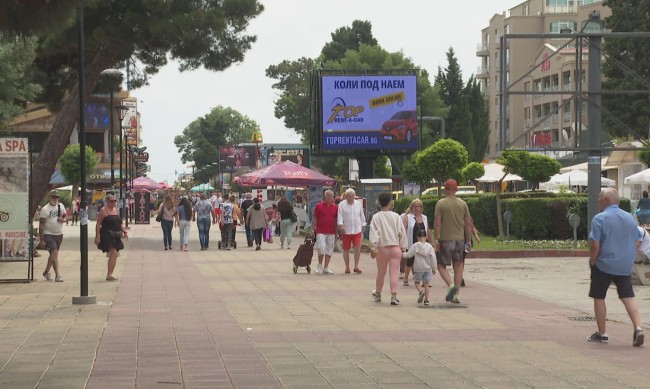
x=289, y=247
x=59, y=278
x=319, y=268
x=281, y=245
x=327, y=271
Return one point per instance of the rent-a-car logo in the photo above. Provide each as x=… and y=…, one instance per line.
x=342, y=113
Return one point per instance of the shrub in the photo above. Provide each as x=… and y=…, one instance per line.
x=536, y=215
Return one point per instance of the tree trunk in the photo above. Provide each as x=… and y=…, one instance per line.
x=63, y=125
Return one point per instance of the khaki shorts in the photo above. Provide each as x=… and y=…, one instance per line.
x=451, y=251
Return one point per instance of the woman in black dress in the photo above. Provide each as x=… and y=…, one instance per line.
x=109, y=233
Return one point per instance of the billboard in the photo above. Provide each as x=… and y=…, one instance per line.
x=130, y=123
x=299, y=155
x=369, y=112
x=14, y=199
x=238, y=157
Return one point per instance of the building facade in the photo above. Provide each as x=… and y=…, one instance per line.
x=533, y=67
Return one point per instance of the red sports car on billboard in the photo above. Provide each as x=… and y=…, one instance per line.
x=403, y=126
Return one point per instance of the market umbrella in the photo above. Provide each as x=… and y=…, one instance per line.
x=145, y=183
x=494, y=172
x=285, y=173
x=576, y=177
x=642, y=177
x=202, y=188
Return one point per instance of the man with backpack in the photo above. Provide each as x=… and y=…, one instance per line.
x=51, y=219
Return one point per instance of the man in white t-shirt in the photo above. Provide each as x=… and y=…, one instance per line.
x=51, y=219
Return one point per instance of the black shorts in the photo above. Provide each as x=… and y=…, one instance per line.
x=410, y=261
x=600, y=282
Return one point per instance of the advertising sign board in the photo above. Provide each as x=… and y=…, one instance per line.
x=14, y=195
x=296, y=155
x=369, y=112
x=238, y=157
x=142, y=206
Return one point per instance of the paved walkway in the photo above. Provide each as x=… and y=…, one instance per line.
x=241, y=318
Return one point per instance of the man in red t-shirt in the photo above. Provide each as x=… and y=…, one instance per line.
x=324, y=222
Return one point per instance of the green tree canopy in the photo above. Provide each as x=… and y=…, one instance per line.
x=348, y=38
x=472, y=171
x=17, y=86
x=442, y=160
x=381, y=167
x=532, y=167
x=468, y=120
x=209, y=33
x=200, y=140
x=70, y=167
x=626, y=68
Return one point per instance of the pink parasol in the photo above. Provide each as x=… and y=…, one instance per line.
x=285, y=173
x=145, y=183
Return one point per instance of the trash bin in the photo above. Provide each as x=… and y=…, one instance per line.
x=92, y=213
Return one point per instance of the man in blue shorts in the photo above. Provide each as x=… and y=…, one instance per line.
x=614, y=240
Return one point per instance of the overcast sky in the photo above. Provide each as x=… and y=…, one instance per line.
x=289, y=29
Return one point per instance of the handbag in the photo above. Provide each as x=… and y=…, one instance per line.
x=160, y=215
x=294, y=217
x=115, y=234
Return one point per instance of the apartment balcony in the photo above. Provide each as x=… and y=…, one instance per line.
x=483, y=50
x=483, y=72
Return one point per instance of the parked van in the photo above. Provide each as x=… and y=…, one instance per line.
x=467, y=189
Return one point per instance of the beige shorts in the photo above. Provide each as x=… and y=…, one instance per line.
x=325, y=244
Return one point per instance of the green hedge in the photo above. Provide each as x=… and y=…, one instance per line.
x=536, y=216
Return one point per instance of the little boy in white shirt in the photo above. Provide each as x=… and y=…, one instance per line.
x=424, y=265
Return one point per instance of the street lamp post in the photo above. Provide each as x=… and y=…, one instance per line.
x=84, y=298
x=113, y=78
x=122, y=110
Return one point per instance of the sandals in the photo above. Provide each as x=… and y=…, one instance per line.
x=405, y=283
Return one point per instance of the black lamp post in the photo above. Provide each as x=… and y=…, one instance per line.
x=113, y=79
x=121, y=111
x=84, y=298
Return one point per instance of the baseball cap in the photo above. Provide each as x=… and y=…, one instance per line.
x=54, y=193
x=451, y=184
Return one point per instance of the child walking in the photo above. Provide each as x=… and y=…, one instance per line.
x=424, y=265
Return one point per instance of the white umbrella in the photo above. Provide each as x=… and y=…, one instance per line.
x=494, y=172
x=642, y=177
x=576, y=177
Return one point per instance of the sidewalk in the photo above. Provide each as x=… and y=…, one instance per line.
x=241, y=318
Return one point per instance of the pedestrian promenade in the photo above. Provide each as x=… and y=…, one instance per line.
x=242, y=319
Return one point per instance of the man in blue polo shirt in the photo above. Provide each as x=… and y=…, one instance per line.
x=614, y=240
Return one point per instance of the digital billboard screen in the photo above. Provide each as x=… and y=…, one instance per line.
x=295, y=155
x=238, y=157
x=369, y=112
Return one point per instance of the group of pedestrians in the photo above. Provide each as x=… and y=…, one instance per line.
x=404, y=242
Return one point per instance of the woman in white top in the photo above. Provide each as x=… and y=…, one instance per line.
x=414, y=218
x=388, y=241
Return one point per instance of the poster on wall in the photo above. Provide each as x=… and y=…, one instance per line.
x=14, y=203
x=142, y=207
